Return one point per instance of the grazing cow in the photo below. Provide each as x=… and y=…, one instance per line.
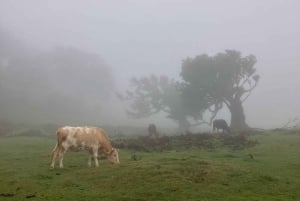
x=92, y=139
x=152, y=130
x=220, y=124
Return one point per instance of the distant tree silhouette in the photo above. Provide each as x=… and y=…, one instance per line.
x=208, y=83
x=153, y=94
x=56, y=85
x=226, y=78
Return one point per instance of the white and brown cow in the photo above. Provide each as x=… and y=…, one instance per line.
x=92, y=139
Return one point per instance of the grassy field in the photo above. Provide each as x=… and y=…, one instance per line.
x=267, y=171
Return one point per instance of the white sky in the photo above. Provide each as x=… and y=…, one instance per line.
x=140, y=37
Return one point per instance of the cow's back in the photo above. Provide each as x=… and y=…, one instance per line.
x=77, y=136
x=87, y=135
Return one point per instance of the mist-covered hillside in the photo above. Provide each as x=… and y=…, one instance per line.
x=56, y=85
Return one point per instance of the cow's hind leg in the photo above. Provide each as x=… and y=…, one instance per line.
x=61, y=157
x=54, y=155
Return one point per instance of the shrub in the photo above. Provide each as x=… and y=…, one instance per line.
x=186, y=141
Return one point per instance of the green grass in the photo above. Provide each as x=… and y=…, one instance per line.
x=272, y=174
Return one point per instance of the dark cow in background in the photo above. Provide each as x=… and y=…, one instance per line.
x=220, y=124
x=152, y=131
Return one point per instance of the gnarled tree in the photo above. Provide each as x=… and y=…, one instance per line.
x=226, y=78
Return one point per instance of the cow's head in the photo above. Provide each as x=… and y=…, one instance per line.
x=113, y=156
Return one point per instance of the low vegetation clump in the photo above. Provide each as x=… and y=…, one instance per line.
x=187, y=141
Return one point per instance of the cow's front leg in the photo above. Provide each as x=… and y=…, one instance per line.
x=95, y=156
x=90, y=160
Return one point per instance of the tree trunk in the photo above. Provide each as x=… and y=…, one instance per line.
x=238, y=120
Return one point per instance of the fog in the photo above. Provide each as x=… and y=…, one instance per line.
x=64, y=60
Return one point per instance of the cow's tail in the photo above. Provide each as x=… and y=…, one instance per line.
x=56, y=145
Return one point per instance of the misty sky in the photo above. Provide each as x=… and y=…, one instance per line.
x=139, y=37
